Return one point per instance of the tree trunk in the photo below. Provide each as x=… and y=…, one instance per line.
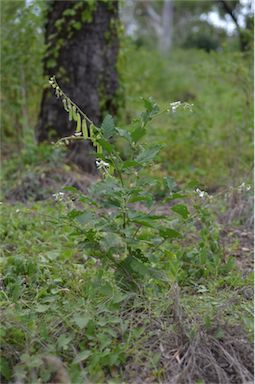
x=82, y=42
x=165, y=41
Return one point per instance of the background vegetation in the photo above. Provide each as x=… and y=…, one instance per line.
x=66, y=317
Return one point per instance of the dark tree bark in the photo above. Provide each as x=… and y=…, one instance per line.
x=230, y=11
x=82, y=52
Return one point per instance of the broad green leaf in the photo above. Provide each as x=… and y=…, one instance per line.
x=150, y=105
x=169, y=233
x=111, y=241
x=141, y=197
x=81, y=320
x=41, y=308
x=146, y=220
x=63, y=341
x=175, y=196
x=69, y=12
x=170, y=183
x=181, y=209
x=85, y=217
x=148, y=154
x=138, y=133
x=51, y=63
x=108, y=127
x=130, y=163
x=5, y=368
x=82, y=356
x=70, y=189
x=118, y=297
x=124, y=133
x=105, y=145
x=77, y=25
x=139, y=267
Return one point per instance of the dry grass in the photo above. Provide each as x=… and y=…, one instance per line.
x=187, y=352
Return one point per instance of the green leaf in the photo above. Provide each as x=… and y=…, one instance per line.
x=139, y=267
x=85, y=217
x=5, y=368
x=150, y=105
x=41, y=308
x=105, y=145
x=51, y=63
x=77, y=25
x=108, y=127
x=143, y=196
x=181, y=209
x=111, y=241
x=82, y=356
x=63, y=341
x=81, y=320
x=175, y=196
x=169, y=233
x=137, y=134
x=70, y=189
x=170, y=183
x=124, y=133
x=146, y=220
x=130, y=163
x=69, y=12
x=148, y=154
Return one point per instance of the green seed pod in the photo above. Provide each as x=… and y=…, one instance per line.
x=74, y=113
x=78, y=119
x=65, y=105
x=84, y=129
x=70, y=110
x=99, y=149
x=92, y=130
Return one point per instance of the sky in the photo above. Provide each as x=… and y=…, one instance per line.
x=227, y=23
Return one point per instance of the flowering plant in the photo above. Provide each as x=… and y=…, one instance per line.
x=120, y=225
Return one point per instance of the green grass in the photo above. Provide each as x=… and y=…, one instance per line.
x=57, y=302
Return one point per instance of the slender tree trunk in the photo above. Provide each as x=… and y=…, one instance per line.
x=161, y=23
x=165, y=41
x=242, y=39
x=82, y=52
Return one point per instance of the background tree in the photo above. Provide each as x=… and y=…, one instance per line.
x=21, y=69
x=82, y=49
x=188, y=23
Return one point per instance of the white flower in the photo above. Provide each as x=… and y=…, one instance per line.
x=175, y=105
x=102, y=166
x=58, y=196
x=244, y=187
x=200, y=193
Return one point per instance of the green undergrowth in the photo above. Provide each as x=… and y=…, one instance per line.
x=214, y=143
x=129, y=280
x=59, y=302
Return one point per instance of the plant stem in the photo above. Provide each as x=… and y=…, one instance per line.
x=123, y=186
